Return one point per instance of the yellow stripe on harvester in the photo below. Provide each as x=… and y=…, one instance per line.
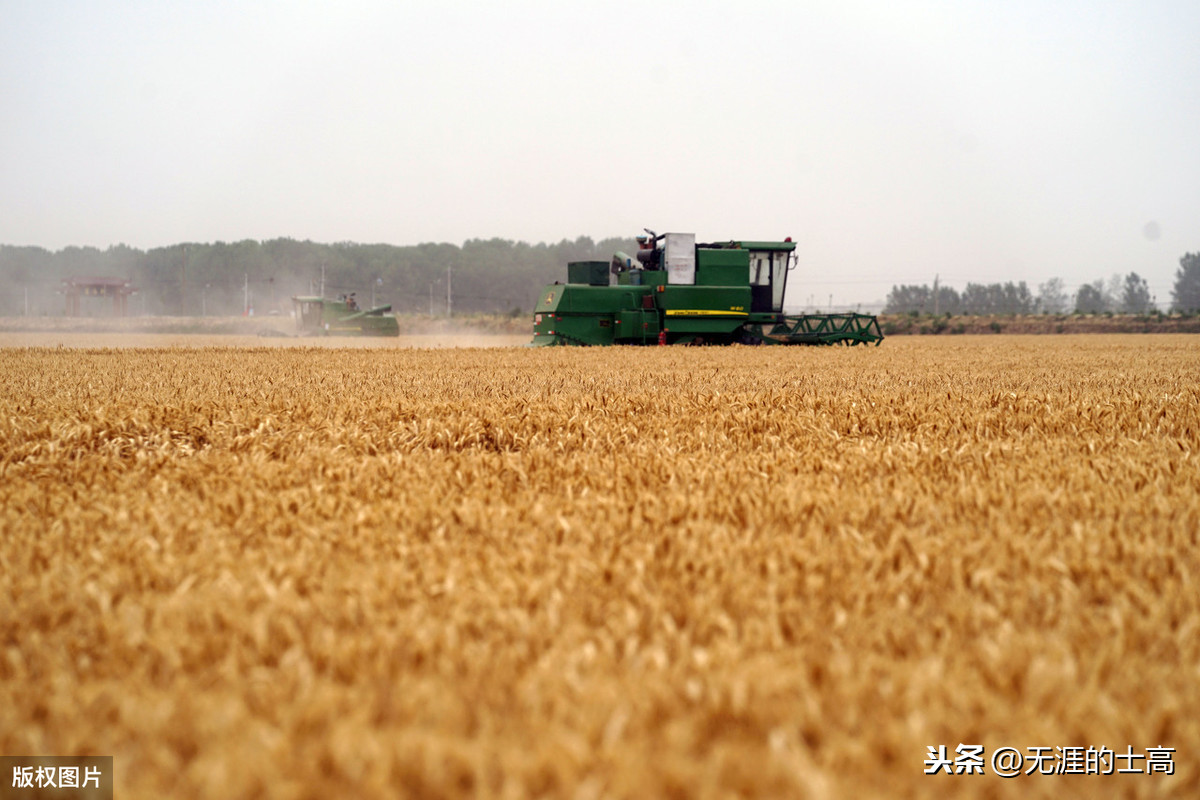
x=702, y=312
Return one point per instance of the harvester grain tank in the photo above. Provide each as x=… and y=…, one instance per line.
x=675, y=291
x=318, y=316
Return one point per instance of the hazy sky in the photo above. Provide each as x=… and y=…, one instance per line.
x=981, y=141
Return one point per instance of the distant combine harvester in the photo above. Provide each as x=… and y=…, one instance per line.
x=318, y=316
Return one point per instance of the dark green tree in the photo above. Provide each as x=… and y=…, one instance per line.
x=1090, y=298
x=997, y=298
x=1135, y=296
x=909, y=298
x=946, y=301
x=1052, y=298
x=1186, y=294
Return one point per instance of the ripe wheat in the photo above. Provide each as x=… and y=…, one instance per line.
x=291, y=572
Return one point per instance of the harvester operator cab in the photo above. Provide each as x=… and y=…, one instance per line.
x=308, y=313
x=768, y=278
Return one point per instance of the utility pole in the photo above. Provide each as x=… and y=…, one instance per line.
x=448, y=306
x=322, y=280
x=935, y=293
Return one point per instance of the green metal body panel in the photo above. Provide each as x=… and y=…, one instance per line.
x=704, y=313
x=592, y=273
x=708, y=258
x=722, y=267
x=580, y=314
x=573, y=298
x=644, y=308
x=646, y=277
x=704, y=301
x=318, y=316
x=638, y=326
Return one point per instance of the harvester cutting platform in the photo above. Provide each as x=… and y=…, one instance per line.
x=676, y=291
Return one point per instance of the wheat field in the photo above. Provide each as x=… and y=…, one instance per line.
x=293, y=572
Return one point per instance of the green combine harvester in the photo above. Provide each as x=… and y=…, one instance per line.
x=317, y=316
x=676, y=291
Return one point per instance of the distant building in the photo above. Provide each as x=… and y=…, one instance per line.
x=119, y=289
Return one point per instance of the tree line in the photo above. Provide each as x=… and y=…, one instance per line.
x=221, y=279
x=1129, y=294
x=485, y=276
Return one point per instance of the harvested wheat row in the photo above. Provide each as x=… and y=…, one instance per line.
x=300, y=572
